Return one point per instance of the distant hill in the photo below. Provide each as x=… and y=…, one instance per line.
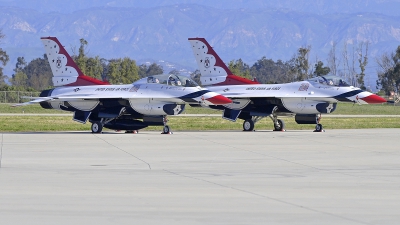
x=320, y=7
x=160, y=33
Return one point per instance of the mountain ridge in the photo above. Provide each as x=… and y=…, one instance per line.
x=161, y=33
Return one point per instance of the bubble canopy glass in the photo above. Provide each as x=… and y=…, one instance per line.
x=330, y=80
x=172, y=80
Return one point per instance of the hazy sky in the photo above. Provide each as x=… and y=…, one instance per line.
x=387, y=7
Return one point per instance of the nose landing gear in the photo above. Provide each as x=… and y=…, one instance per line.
x=166, y=128
x=318, y=127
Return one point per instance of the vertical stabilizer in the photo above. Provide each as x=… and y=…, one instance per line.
x=213, y=70
x=64, y=69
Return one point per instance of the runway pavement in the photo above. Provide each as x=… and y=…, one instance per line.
x=263, y=177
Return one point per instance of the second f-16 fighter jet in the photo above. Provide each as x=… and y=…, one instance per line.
x=306, y=100
x=130, y=107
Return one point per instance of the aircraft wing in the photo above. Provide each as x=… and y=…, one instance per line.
x=63, y=97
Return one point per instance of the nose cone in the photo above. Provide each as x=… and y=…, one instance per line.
x=373, y=99
x=219, y=100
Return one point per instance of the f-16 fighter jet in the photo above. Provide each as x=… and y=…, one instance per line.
x=306, y=100
x=130, y=107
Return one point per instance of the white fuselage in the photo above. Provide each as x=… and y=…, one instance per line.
x=297, y=97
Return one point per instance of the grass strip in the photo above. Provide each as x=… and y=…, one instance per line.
x=342, y=108
x=50, y=123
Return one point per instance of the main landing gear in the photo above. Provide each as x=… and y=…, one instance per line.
x=131, y=131
x=97, y=127
x=166, y=128
x=248, y=124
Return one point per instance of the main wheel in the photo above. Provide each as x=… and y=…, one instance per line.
x=279, y=125
x=166, y=129
x=132, y=131
x=97, y=127
x=248, y=125
x=318, y=128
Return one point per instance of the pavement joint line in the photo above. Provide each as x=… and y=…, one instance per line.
x=267, y=197
x=296, y=163
x=123, y=150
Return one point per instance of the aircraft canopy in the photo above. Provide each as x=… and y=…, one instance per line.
x=172, y=80
x=330, y=80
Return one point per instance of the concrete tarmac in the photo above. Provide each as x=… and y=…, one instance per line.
x=232, y=177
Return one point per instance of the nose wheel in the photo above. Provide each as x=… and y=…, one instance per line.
x=279, y=125
x=166, y=128
x=318, y=127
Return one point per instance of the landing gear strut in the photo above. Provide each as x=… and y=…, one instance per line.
x=166, y=128
x=318, y=127
x=279, y=125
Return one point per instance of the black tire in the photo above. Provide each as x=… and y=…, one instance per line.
x=318, y=128
x=248, y=125
x=166, y=129
x=280, y=126
x=131, y=131
x=97, y=127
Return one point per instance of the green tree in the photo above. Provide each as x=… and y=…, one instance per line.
x=39, y=73
x=4, y=58
x=81, y=59
x=320, y=70
x=363, y=61
x=20, y=65
x=152, y=69
x=267, y=71
x=239, y=68
x=389, y=72
x=20, y=79
x=122, y=71
x=94, y=67
x=300, y=64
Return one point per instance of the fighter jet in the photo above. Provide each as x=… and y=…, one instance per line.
x=305, y=100
x=130, y=107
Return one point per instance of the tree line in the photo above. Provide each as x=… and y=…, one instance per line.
x=36, y=75
x=349, y=63
x=350, y=66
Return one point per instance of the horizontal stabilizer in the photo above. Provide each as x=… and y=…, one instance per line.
x=36, y=100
